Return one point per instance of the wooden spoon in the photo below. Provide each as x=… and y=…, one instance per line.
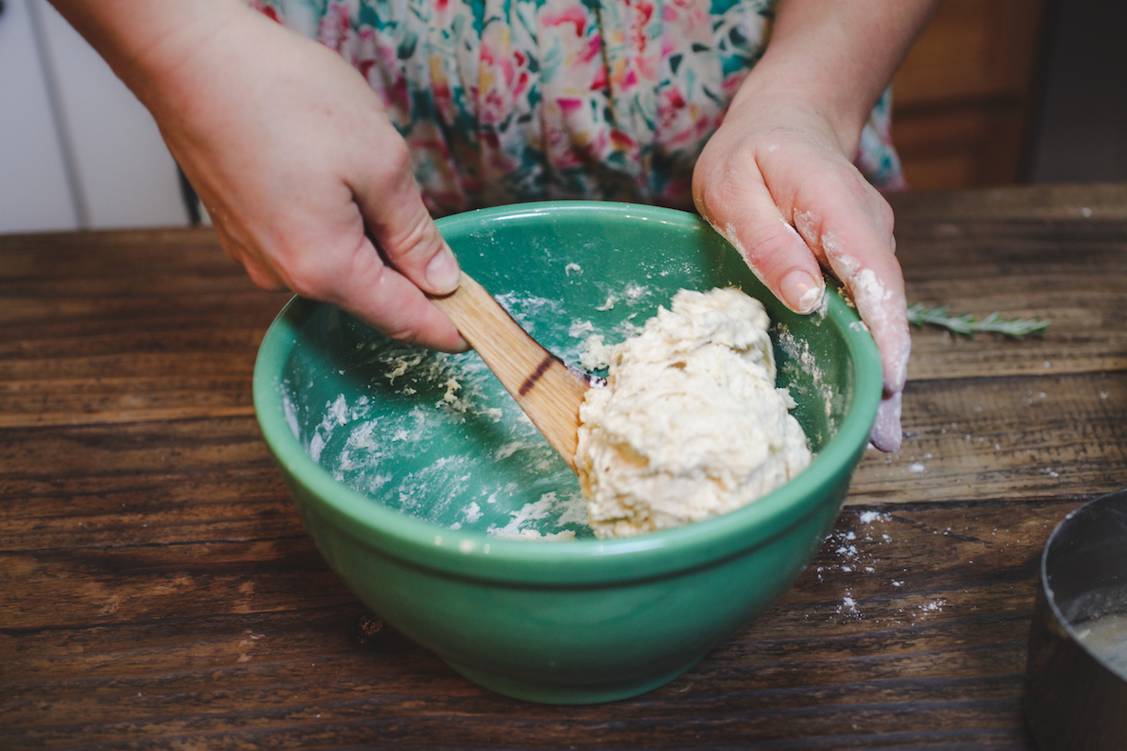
x=546, y=389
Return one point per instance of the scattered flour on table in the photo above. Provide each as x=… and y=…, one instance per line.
x=856, y=552
x=848, y=607
x=868, y=517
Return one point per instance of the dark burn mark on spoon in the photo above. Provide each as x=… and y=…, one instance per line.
x=536, y=375
x=529, y=382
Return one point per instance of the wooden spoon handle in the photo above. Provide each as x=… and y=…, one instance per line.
x=545, y=388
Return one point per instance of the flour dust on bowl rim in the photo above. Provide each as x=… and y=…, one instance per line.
x=420, y=481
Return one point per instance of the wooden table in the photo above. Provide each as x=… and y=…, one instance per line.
x=158, y=590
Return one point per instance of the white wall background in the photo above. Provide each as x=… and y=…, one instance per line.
x=77, y=150
x=34, y=191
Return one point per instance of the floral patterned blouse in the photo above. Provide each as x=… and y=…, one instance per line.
x=503, y=100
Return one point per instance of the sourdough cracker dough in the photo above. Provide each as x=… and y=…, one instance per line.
x=690, y=423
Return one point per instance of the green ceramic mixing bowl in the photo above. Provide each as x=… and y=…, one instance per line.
x=419, y=480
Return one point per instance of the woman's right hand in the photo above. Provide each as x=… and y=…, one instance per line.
x=308, y=184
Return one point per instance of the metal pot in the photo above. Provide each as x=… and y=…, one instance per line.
x=1076, y=691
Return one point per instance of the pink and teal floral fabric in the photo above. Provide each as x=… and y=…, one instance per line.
x=504, y=100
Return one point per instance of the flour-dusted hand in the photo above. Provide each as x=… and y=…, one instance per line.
x=777, y=177
x=775, y=182
x=308, y=184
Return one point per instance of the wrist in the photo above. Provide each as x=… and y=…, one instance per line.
x=147, y=43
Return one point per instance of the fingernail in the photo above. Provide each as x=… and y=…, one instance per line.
x=801, y=291
x=442, y=271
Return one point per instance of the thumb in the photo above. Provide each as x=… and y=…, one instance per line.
x=384, y=298
x=402, y=227
x=748, y=218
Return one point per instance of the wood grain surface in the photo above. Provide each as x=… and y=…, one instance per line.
x=159, y=592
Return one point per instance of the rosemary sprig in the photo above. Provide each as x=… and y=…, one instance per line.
x=969, y=325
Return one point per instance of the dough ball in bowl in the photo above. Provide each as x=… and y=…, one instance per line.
x=691, y=423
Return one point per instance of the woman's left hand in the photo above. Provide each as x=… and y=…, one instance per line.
x=777, y=181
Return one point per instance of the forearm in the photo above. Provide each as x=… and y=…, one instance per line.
x=142, y=41
x=836, y=57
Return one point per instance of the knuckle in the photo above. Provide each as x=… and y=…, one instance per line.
x=876, y=206
x=712, y=193
x=392, y=166
x=418, y=239
x=740, y=166
x=308, y=274
x=769, y=246
x=885, y=215
x=847, y=182
x=262, y=279
x=405, y=334
x=700, y=190
x=365, y=264
x=719, y=177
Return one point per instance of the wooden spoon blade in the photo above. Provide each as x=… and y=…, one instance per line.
x=546, y=389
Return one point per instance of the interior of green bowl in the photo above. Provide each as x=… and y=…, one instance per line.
x=436, y=437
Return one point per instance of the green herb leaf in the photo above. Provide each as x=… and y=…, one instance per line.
x=969, y=325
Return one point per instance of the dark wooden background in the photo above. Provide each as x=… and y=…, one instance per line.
x=157, y=590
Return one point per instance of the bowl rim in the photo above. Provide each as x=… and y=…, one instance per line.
x=471, y=553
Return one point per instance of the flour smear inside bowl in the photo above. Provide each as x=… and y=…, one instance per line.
x=690, y=425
